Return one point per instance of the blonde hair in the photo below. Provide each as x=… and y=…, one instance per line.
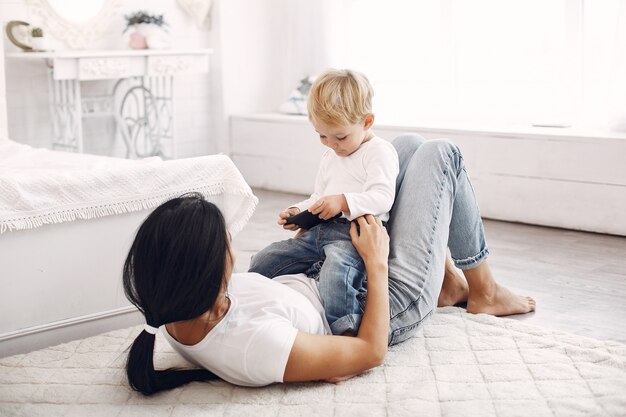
x=340, y=98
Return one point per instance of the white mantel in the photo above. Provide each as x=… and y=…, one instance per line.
x=107, y=64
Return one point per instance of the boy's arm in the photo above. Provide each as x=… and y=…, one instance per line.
x=382, y=168
x=329, y=206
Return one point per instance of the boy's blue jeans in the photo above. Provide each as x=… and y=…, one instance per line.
x=325, y=252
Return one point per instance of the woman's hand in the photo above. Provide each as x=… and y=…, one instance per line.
x=371, y=240
x=284, y=215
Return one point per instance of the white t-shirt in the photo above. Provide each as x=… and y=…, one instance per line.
x=251, y=344
x=367, y=178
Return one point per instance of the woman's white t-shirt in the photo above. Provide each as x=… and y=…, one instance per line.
x=250, y=346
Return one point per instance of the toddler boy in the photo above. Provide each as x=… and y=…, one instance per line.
x=356, y=176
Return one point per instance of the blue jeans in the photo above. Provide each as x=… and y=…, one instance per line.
x=325, y=252
x=435, y=208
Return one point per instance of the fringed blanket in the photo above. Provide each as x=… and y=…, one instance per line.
x=40, y=186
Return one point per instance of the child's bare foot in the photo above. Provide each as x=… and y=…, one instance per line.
x=499, y=301
x=454, y=289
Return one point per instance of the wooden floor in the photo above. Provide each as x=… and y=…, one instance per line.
x=577, y=278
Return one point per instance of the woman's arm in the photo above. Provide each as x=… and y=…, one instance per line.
x=315, y=357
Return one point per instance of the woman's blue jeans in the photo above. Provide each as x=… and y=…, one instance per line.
x=435, y=208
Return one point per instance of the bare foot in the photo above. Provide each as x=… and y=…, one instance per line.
x=454, y=289
x=499, y=301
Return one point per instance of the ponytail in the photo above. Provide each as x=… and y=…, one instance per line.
x=144, y=378
x=168, y=278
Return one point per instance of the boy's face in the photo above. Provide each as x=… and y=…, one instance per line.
x=344, y=140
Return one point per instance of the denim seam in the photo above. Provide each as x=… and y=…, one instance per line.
x=277, y=270
x=348, y=323
x=472, y=260
x=401, y=330
x=346, y=283
x=405, y=329
x=476, y=259
x=355, y=264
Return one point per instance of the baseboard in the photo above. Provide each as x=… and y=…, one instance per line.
x=50, y=334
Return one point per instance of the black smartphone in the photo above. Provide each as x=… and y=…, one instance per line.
x=306, y=220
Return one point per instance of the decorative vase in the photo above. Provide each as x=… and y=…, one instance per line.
x=157, y=39
x=139, y=38
x=148, y=36
x=137, y=41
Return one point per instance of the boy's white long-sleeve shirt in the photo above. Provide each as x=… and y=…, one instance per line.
x=367, y=178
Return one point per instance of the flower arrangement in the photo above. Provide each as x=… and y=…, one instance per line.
x=36, y=32
x=144, y=17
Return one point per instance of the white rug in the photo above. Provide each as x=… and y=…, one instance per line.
x=458, y=365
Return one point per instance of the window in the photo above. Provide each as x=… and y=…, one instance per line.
x=526, y=62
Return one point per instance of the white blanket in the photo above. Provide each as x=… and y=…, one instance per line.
x=460, y=364
x=40, y=186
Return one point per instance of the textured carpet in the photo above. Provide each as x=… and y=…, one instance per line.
x=458, y=365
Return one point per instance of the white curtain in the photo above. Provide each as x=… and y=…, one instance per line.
x=522, y=62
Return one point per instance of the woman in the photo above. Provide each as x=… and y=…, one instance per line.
x=253, y=331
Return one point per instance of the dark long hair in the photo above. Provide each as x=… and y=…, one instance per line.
x=174, y=271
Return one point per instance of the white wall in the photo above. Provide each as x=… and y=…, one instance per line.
x=263, y=48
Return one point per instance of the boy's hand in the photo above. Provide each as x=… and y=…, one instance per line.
x=283, y=215
x=329, y=206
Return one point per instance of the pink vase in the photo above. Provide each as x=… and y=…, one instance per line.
x=137, y=41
